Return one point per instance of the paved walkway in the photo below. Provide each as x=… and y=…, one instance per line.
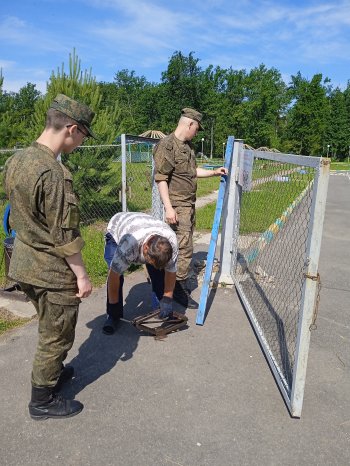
x=203, y=396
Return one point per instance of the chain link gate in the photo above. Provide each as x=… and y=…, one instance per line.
x=270, y=248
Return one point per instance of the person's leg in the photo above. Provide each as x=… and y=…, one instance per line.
x=184, y=235
x=157, y=281
x=114, y=311
x=110, y=247
x=58, y=314
x=57, y=317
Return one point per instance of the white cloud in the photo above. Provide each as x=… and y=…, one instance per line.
x=14, y=85
x=15, y=31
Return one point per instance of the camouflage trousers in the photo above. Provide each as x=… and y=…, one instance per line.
x=57, y=313
x=184, y=234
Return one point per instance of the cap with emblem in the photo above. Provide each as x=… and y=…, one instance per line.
x=79, y=112
x=194, y=115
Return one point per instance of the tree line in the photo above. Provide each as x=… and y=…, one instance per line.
x=304, y=116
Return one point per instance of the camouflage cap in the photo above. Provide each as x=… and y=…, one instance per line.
x=194, y=115
x=79, y=112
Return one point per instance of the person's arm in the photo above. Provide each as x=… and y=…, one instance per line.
x=113, y=285
x=203, y=173
x=75, y=262
x=63, y=222
x=166, y=303
x=170, y=214
x=169, y=283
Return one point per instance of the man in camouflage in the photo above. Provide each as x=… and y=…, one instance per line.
x=46, y=259
x=176, y=174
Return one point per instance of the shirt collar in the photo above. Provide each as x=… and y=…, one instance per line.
x=44, y=148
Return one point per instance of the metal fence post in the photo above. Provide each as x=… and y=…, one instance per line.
x=310, y=288
x=157, y=204
x=229, y=233
x=123, y=144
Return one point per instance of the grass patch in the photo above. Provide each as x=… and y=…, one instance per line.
x=340, y=165
x=260, y=207
x=205, y=217
x=207, y=185
x=9, y=321
x=92, y=253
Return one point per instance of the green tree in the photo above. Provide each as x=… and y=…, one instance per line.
x=263, y=103
x=81, y=86
x=307, y=118
x=180, y=87
x=338, y=131
x=16, y=111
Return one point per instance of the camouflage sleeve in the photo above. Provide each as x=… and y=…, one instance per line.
x=55, y=201
x=164, y=161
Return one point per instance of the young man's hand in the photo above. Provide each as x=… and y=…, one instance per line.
x=221, y=171
x=84, y=287
x=171, y=215
x=166, y=307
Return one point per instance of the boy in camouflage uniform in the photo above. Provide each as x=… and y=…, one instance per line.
x=176, y=174
x=46, y=259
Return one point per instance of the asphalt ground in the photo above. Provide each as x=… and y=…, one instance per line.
x=204, y=395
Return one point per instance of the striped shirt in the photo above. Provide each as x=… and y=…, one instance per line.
x=130, y=230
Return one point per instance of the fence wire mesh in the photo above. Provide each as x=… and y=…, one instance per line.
x=97, y=179
x=275, y=216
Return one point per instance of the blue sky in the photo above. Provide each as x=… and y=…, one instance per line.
x=36, y=36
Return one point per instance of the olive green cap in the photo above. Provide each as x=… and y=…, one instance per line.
x=79, y=112
x=194, y=115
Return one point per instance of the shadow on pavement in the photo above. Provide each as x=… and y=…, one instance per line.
x=100, y=353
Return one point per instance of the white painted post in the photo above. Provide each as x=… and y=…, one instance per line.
x=157, y=204
x=309, y=294
x=229, y=232
x=123, y=143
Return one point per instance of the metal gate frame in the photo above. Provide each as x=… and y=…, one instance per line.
x=229, y=245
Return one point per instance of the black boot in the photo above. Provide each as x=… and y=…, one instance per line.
x=46, y=404
x=67, y=374
x=182, y=295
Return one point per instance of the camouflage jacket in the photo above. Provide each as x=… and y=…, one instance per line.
x=45, y=216
x=175, y=163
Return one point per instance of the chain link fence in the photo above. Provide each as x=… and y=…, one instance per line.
x=274, y=224
x=276, y=235
x=103, y=177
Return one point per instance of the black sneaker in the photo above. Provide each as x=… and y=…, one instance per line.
x=110, y=326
